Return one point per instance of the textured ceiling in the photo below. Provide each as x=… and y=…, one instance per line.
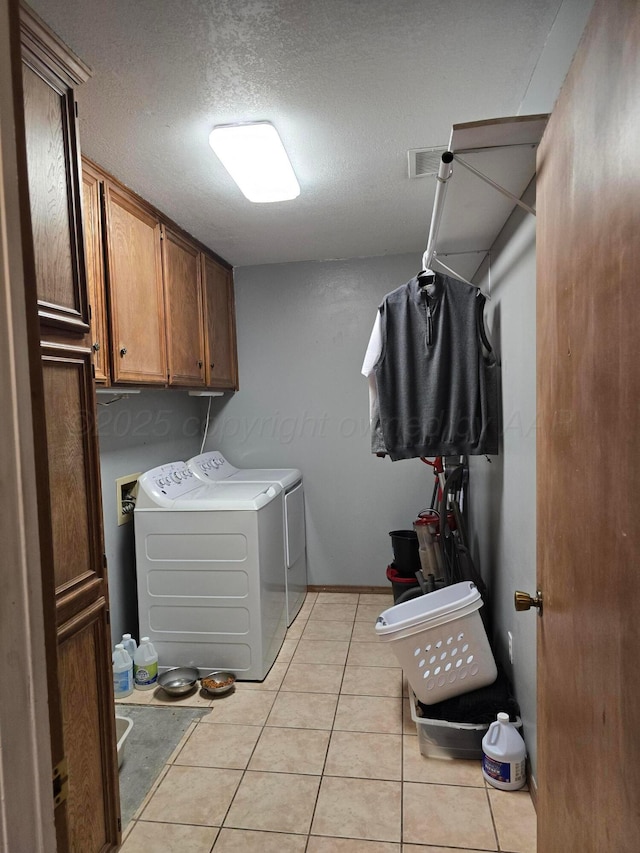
x=351, y=85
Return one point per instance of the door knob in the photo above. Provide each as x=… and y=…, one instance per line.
x=523, y=601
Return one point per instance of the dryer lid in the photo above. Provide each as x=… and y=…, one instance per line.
x=285, y=477
x=238, y=497
x=213, y=467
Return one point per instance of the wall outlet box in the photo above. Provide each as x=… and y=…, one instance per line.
x=126, y=493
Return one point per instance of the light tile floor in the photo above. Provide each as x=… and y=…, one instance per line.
x=322, y=757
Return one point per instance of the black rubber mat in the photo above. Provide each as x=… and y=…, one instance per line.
x=155, y=734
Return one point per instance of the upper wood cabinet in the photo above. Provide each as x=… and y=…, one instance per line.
x=136, y=302
x=92, y=217
x=220, y=325
x=162, y=307
x=48, y=78
x=183, y=306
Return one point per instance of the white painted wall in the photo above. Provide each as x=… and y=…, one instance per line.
x=303, y=329
x=503, y=494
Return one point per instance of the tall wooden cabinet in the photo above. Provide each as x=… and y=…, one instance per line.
x=74, y=572
x=54, y=185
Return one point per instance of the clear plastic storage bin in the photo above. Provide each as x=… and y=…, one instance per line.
x=442, y=739
x=440, y=642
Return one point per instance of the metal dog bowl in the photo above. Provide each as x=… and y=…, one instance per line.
x=178, y=681
x=224, y=679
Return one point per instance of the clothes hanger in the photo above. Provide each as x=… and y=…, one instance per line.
x=426, y=275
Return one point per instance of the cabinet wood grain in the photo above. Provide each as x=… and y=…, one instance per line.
x=83, y=643
x=54, y=187
x=134, y=269
x=221, y=353
x=183, y=306
x=93, y=236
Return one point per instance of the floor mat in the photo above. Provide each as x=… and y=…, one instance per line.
x=155, y=734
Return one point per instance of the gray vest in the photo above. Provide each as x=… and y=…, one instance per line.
x=437, y=390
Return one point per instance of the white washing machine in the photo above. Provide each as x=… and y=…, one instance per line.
x=209, y=565
x=212, y=467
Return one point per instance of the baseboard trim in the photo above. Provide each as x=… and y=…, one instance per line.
x=533, y=787
x=380, y=590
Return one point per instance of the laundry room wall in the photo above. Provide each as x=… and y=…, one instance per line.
x=303, y=329
x=137, y=433
x=502, y=503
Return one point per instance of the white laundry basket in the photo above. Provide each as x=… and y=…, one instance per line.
x=440, y=642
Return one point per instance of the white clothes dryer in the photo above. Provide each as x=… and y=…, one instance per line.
x=212, y=467
x=209, y=571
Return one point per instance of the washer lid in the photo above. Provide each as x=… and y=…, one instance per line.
x=175, y=486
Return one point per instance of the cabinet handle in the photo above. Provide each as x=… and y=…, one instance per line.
x=96, y=346
x=123, y=351
x=199, y=364
x=211, y=365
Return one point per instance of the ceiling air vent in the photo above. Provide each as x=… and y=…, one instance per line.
x=424, y=161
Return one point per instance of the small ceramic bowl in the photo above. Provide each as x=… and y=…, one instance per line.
x=218, y=682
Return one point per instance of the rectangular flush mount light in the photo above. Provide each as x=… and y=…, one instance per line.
x=254, y=156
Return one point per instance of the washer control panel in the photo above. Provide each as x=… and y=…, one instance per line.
x=169, y=481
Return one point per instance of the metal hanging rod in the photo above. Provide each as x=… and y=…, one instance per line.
x=444, y=173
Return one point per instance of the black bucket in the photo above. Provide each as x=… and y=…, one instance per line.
x=406, y=555
x=399, y=584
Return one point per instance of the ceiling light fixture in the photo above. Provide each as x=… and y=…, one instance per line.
x=254, y=156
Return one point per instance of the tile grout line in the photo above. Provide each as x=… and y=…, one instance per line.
x=278, y=691
x=244, y=771
x=195, y=725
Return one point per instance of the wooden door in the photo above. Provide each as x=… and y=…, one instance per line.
x=74, y=570
x=183, y=307
x=588, y=359
x=92, y=187
x=134, y=270
x=221, y=354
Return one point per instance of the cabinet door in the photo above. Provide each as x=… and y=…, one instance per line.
x=81, y=599
x=74, y=583
x=54, y=186
x=134, y=269
x=183, y=305
x=220, y=325
x=92, y=220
